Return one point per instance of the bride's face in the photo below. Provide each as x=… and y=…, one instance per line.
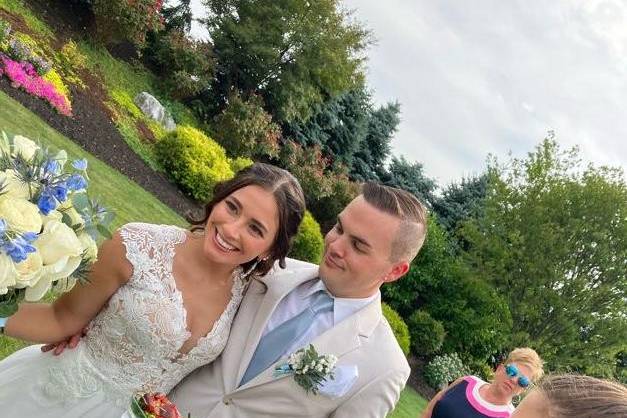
x=242, y=227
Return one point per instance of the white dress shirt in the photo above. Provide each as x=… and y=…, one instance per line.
x=300, y=298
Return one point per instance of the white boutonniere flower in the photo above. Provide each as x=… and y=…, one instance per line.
x=309, y=368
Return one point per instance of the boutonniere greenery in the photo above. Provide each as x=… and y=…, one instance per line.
x=309, y=368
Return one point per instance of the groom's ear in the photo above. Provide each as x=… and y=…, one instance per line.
x=398, y=270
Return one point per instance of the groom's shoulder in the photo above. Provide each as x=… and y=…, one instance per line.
x=384, y=346
x=294, y=269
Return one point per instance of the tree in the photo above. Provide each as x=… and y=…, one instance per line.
x=338, y=126
x=178, y=17
x=292, y=52
x=245, y=129
x=410, y=176
x=475, y=318
x=553, y=242
x=368, y=161
x=460, y=202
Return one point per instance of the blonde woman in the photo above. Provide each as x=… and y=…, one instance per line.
x=471, y=397
x=574, y=396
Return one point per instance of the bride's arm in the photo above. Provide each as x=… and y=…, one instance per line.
x=71, y=312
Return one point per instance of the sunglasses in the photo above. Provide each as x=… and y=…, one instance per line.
x=512, y=371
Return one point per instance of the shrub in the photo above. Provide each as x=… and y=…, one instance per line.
x=444, y=369
x=427, y=334
x=55, y=79
x=481, y=369
x=308, y=243
x=245, y=128
x=194, y=161
x=326, y=208
x=24, y=76
x=23, y=48
x=121, y=20
x=308, y=165
x=399, y=327
x=240, y=163
x=5, y=31
x=184, y=65
x=69, y=60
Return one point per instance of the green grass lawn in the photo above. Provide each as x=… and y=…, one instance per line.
x=124, y=197
x=410, y=405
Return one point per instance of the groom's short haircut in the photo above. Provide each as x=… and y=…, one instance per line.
x=405, y=206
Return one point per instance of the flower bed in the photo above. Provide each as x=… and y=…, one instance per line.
x=24, y=76
x=26, y=70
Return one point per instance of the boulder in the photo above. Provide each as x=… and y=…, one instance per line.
x=155, y=110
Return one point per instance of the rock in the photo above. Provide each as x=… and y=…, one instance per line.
x=155, y=110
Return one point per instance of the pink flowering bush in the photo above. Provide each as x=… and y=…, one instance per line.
x=23, y=75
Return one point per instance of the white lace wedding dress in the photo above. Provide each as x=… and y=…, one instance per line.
x=131, y=347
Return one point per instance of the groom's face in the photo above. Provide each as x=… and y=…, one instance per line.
x=357, y=251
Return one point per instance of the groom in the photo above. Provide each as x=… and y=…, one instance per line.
x=336, y=308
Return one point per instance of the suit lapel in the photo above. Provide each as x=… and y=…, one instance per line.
x=277, y=287
x=338, y=340
x=232, y=355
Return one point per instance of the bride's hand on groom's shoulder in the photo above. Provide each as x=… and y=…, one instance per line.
x=59, y=347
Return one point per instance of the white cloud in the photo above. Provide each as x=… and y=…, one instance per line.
x=493, y=76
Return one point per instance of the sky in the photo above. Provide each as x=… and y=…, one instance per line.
x=492, y=76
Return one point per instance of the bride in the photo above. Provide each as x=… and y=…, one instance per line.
x=159, y=304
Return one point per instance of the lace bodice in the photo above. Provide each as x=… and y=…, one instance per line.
x=133, y=343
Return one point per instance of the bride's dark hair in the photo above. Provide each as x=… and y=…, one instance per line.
x=290, y=202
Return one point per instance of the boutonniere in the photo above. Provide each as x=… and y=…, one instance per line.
x=309, y=368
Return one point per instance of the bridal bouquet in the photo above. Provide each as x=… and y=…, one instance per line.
x=48, y=225
x=152, y=405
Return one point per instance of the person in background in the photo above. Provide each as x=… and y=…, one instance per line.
x=471, y=397
x=574, y=396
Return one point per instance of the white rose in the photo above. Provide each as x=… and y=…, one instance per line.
x=13, y=186
x=57, y=242
x=49, y=273
x=8, y=273
x=29, y=270
x=53, y=215
x=20, y=214
x=89, y=246
x=24, y=146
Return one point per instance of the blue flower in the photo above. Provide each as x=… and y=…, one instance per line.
x=30, y=236
x=60, y=192
x=76, y=182
x=46, y=203
x=52, y=166
x=80, y=164
x=16, y=252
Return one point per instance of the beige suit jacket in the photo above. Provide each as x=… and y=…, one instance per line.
x=364, y=340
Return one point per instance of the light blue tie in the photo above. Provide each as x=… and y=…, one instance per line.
x=274, y=343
